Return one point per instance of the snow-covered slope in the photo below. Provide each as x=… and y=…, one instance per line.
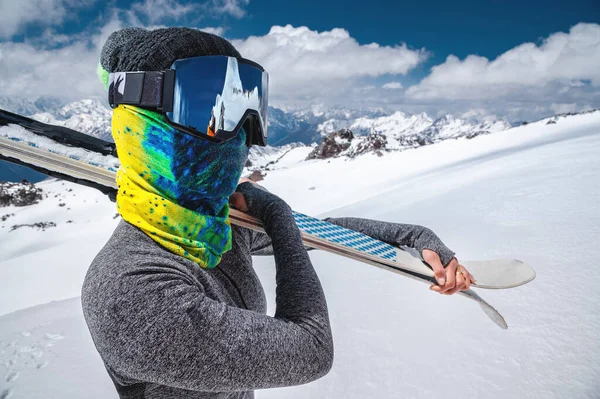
x=529, y=192
x=268, y=158
x=40, y=264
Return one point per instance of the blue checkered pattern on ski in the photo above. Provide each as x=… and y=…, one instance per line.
x=348, y=238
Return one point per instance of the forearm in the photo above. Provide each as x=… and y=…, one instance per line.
x=299, y=291
x=261, y=244
x=398, y=234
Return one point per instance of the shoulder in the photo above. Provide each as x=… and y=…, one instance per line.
x=125, y=260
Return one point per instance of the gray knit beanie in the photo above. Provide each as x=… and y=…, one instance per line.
x=137, y=49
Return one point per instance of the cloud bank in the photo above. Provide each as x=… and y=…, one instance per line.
x=65, y=66
x=307, y=67
x=15, y=15
x=305, y=64
x=564, y=59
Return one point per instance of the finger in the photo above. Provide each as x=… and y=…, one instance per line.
x=435, y=288
x=238, y=201
x=450, y=276
x=433, y=260
x=460, y=284
x=244, y=179
x=467, y=277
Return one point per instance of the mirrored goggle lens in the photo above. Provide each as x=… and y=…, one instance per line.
x=217, y=96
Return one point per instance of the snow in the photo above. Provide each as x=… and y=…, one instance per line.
x=529, y=192
x=270, y=158
x=399, y=125
x=17, y=133
x=38, y=266
x=293, y=157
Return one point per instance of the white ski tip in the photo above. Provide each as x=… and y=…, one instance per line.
x=500, y=273
x=494, y=315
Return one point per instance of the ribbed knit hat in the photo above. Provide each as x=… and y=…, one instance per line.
x=137, y=49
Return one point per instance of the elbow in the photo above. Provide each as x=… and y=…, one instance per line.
x=327, y=362
x=323, y=360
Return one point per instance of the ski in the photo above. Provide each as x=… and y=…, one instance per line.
x=89, y=166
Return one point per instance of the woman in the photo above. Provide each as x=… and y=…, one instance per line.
x=172, y=302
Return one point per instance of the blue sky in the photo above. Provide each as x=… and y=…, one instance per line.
x=463, y=27
x=516, y=60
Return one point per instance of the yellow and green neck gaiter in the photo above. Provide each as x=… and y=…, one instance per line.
x=175, y=187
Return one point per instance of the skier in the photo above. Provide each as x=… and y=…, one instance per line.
x=172, y=301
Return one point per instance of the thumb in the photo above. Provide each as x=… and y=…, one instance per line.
x=238, y=201
x=433, y=260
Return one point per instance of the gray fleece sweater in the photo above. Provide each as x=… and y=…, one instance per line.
x=166, y=328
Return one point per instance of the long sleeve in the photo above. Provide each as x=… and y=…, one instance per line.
x=397, y=234
x=156, y=325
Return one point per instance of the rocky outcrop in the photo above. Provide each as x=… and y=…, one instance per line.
x=256, y=176
x=19, y=194
x=375, y=143
x=332, y=145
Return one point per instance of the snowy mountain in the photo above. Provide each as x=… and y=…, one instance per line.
x=397, y=123
x=420, y=127
x=306, y=126
x=528, y=192
x=25, y=107
x=87, y=116
x=268, y=158
x=19, y=106
x=341, y=132
x=285, y=128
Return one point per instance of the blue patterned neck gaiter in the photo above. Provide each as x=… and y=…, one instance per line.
x=175, y=187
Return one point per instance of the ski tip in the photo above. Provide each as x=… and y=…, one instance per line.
x=500, y=273
x=494, y=315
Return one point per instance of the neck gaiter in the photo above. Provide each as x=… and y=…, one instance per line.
x=175, y=187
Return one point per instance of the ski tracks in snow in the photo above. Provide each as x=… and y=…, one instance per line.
x=25, y=352
x=46, y=352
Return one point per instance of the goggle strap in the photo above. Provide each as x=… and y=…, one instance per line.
x=143, y=89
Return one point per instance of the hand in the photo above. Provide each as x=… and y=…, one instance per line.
x=237, y=200
x=451, y=279
x=257, y=201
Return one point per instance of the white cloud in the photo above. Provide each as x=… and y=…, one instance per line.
x=232, y=7
x=479, y=114
x=31, y=72
x=32, y=69
x=393, y=86
x=219, y=31
x=560, y=74
x=16, y=15
x=157, y=11
x=562, y=108
x=305, y=64
x=562, y=59
x=65, y=65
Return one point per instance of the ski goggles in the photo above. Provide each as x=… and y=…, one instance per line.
x=210, y=97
